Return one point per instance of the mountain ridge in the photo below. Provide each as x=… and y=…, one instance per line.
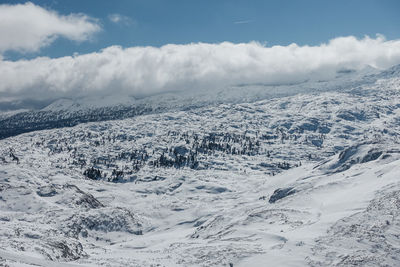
x=70, y=112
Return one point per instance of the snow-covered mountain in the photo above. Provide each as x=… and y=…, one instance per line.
x=256, y=175
x=71, y=112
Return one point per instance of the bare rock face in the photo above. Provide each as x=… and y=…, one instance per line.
x=83, y=199
x=63, y=250
x=281, y=193
x=47, y=191
x=70, y=195
x=103, y=220
x=359, y=154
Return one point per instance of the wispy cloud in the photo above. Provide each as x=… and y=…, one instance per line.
x=148, y=70
x=243, y=21
x=121, y=19
x=28, y=27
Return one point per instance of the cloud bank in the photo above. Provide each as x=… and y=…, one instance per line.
x=28, y=27
x=149, y=70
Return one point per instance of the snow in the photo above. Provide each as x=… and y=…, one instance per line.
x=6, y=114
x=193, y=187
x=89, y=103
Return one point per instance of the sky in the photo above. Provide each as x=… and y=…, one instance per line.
x=66, y=48
x=276, y=22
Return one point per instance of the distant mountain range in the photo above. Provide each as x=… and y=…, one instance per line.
x=71, y=112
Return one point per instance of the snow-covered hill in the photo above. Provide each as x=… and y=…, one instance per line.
x=306, y=176
x=71, y=112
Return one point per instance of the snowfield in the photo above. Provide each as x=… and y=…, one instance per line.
x=311, y=178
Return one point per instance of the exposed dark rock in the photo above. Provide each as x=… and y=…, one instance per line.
x=65, y=250
x=47, y=191
x=281, y=193
x=358, y=154
x=372, y=155
x=86, y=200
x=103, y=220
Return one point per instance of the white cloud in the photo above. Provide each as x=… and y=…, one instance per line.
x=28, y=27
x=147, y=70
x=120, y=19
x=243, y=21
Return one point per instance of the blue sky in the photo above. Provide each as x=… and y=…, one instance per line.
x=76, y=48
x=160, y=22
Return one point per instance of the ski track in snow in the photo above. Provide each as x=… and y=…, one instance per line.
x=307, y=179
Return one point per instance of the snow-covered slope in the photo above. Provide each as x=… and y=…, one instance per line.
x=70, y=112
x=302, y=179
x=73, y=105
